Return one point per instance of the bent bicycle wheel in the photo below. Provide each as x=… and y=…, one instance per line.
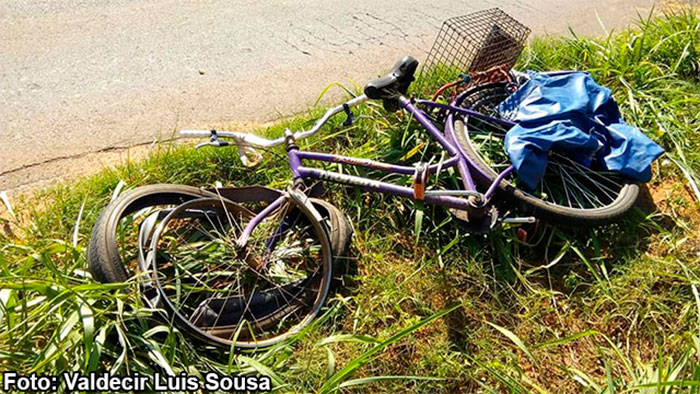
x=252, y=295
x=570, y=193
x=113, y=247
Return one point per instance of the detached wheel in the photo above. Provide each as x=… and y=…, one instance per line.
x=250, y=299
x=569, y=194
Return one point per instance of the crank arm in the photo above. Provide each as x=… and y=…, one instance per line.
x=519, y=220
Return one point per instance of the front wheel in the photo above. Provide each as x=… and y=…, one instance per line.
x=570, y=193
x=247, y=296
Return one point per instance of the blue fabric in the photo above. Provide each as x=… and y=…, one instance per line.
x=569, y=113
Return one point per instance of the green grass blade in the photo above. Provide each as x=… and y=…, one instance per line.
x=514, y=338
x=376, y=379
x=335, y=380
x=262, y=369
x=566, y=340
x=346, y=338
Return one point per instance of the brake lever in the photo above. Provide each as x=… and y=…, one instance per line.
x=217, y=144
x=351, y=118
x=213, y=141
x=249, y=156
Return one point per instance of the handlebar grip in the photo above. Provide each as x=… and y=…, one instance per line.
x=195, y=133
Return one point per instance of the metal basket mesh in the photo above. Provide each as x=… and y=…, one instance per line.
x=475, y=42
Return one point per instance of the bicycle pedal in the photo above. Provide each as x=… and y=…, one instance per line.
x=527, y=232
x=521, y=234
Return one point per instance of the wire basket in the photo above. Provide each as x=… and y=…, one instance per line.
x=478, y=41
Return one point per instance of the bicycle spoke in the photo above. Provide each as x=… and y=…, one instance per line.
x=566, y=182
x=256, y=292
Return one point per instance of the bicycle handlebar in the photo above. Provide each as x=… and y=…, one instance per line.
x=330, y=113
x=252, y=140
x=238, y=136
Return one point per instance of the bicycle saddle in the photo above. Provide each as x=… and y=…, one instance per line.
x=395, y=82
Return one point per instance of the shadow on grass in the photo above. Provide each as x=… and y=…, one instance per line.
x=565, y=260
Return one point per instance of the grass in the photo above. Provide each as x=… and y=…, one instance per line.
x=613, y=309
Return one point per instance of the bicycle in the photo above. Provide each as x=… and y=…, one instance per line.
x=267, y=271
x=249, y=267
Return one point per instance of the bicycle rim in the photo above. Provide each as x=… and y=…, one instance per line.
x=567, y=184
x=249, y=297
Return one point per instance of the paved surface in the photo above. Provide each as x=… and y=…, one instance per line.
x=79, y=76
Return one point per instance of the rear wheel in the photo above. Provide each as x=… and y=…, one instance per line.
x=570, y=193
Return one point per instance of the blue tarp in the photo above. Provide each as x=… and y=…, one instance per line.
x=569, y=113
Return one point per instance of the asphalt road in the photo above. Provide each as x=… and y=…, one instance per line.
x=81, y=76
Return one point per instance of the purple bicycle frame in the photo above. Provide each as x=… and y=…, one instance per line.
x=447, y=139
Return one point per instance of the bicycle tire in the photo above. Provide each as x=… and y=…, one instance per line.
x=340, y=234
x=104, y=260
x=273, y=305
x=484, y=174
